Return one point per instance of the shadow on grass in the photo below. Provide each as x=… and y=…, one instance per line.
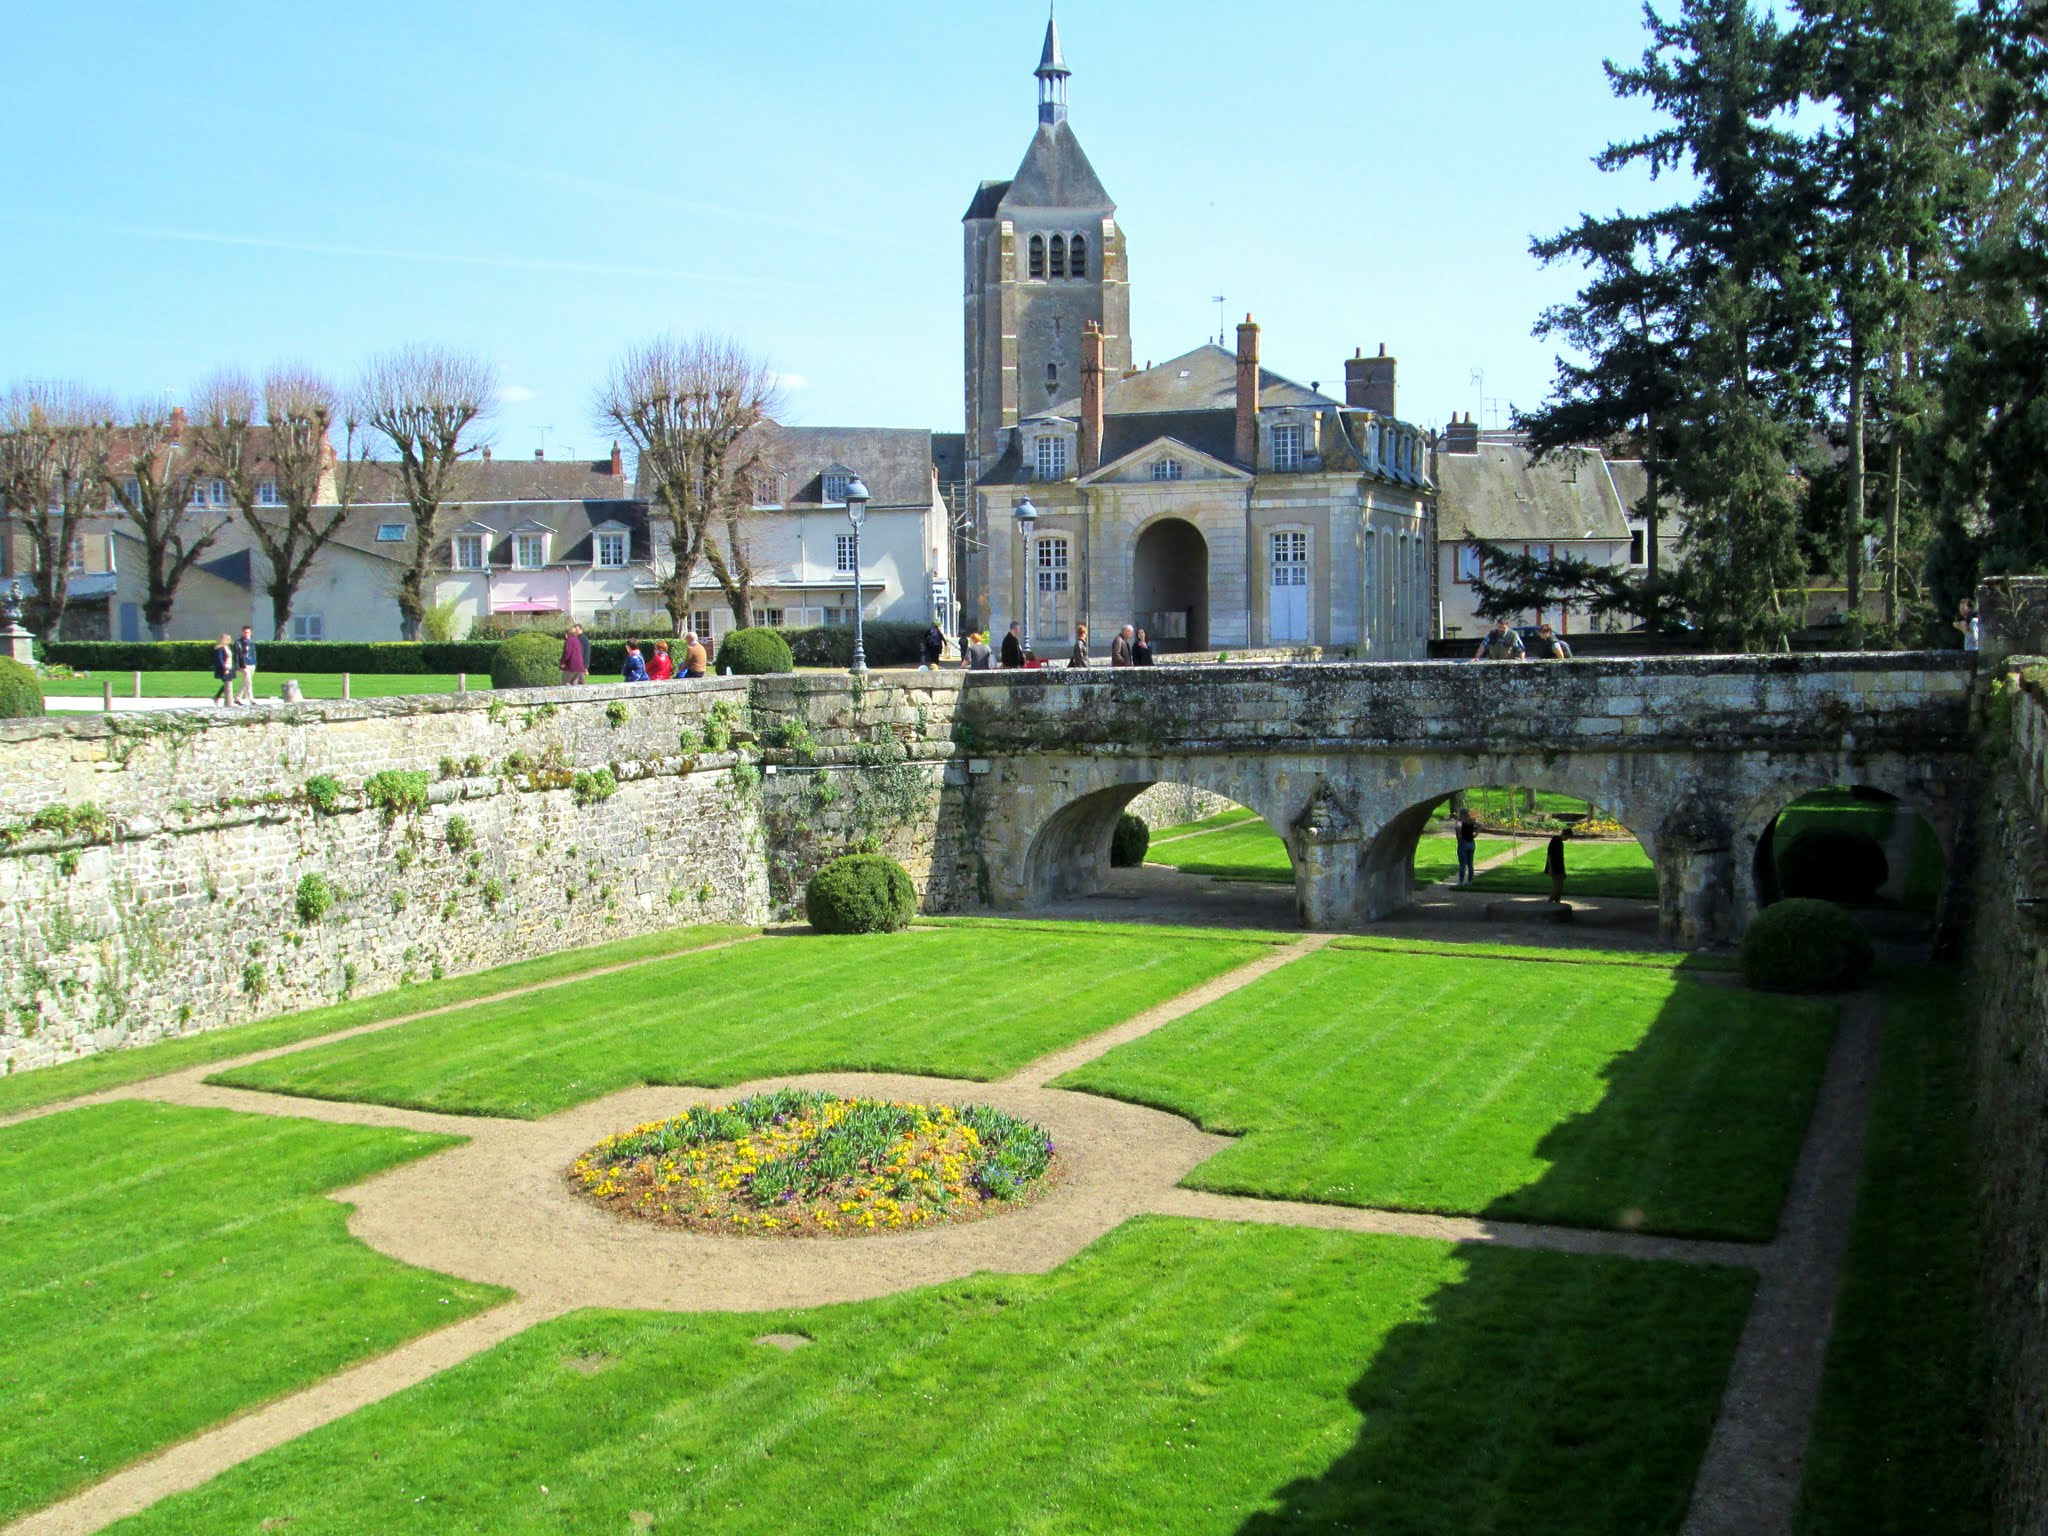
x=1571, y=1394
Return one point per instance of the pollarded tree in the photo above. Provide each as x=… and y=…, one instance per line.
x=428, y=404
x=152, y=471
x=699, y=411
x=53, y=451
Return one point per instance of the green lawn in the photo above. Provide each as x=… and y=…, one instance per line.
x=1590, y=1095
x=1590, y=869
x=1897, y=1446
x=1497, y=800
x=162, y=1269
x=1655, y=959
x=1178, y=1377
x=955, y=1002
x=1251, y=850
x=269, y=685
x=1236, y=816
x=115, y=1069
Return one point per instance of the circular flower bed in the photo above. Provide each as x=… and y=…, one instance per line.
x=797, y=1162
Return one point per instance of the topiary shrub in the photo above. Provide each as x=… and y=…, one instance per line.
x=861, y=893
x=21, y=695
x=528, y=661
x=1801, y=945
x=752, y=652
x=1832, y=865
x=1128, y=843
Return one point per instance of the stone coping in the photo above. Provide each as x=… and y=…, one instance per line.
x=1801, y=664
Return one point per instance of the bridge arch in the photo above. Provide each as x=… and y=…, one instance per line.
x=1757, y=846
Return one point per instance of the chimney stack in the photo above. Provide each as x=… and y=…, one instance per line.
x=540, y=453
x=487, y=453
x=1248, y=394
x=1091, y=398
x=1369, y=382
x=1462, y=435
x=618, y=462
x=177, y=422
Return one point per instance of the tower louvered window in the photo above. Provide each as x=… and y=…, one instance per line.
x=1038, y=255
x=1077, y=258
x=1059, y=256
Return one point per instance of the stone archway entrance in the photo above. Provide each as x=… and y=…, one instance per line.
x=1170, y=585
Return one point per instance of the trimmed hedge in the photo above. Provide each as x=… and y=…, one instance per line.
x=390, y=657
x=21, y=693
x=1128, y=843
x=1833, y=865
x=888, y=642
x=528, y=661
x=753, y=652
x=861, y=893
x=1801, y=945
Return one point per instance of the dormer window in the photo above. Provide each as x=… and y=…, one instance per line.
x=768, y=491
x=529, y=551
x=469, y=551
x=835, y=487
x=1077, y=257
x=266, y=493
x=391, y=533
x=1051, y=457
x=1287, y=446
x=1166, y=469
x=1038, y=255
x=611, y=551
x=1059, y=256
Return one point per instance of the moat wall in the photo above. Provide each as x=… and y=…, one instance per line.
x=176, y=905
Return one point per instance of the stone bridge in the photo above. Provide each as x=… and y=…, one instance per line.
x=1694, y=755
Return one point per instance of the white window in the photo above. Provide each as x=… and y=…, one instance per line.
x=842, y=617
x=217, y=492
x=1639, y=545
x=1537, y=551
x=391, y=533
x=77, y=558
x=767, y=618
x=1290, y=559
x=843, y=551
x=835, y=487
x=611, y=551
x=768, y=491
x=131, y=488
x=700, y=623
x=1287, y=447
x=1052, y=458
x=1470, y=566
x=266, y=493
x=529, y=551
x=1052, y=564
x=1166, y=469
x=469, y=551
x=308, y=626
x=1289, y=587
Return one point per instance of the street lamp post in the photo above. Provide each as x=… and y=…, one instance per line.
x=856, y=514
x=1027, y=519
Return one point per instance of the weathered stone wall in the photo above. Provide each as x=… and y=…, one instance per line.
x=2007, y=978
x=174, y=905
x=1168, y=805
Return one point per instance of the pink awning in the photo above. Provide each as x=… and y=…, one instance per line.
x=526, y=608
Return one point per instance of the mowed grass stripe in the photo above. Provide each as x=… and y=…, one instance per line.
x=971, y=1003
x=1591, y=869
x=1177, y=1377
x=162, y=1269
x=116, y=1069
x=1582, y=1095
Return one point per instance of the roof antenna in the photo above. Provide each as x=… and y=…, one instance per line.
x=1218, y=302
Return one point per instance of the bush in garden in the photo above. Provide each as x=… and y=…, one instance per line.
x=754, y=652
x=861, y=893
x=527, y=661
x=21, y=696
x=1801, y=945
x=1128, y=843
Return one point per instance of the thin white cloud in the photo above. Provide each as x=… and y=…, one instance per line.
x=517, y=394
x=792, y=381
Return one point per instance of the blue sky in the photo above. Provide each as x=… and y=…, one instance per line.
x=229, y=183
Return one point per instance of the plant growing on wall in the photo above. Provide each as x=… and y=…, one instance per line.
x=315, y=898
x=460, y=834
x=323, y=793
x=397, y=791
x=596, y=785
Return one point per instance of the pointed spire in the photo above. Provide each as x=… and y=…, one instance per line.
x=1052, y=74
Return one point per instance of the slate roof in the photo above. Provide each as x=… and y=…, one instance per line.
x=1202, y=380
x=1498, y=494
x=988, y=201
x=1210, y=432
x=572, y=523
x=896, y=462
x=1050, y=60
x=949, y=455
x=502, y=480
x=1055, y=173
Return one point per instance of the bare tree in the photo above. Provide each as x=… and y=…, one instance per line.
x=53, y=449
x=151, y=472
x=427, y=402
x=698, y=410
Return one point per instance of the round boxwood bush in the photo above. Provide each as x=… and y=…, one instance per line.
x=752, y=652
x=21, y=696
x=861, y=893
x=1832, y=865
x=1801, y=945
x=528, y=661
x=1128, y=843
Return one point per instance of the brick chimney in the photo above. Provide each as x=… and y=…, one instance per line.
x=177, y=422
x=618, y=462
x=1091, y=397
x=540, y=453
x=487, y=453
x=1461, y=436
x=1369, y=382
x=1248, y=394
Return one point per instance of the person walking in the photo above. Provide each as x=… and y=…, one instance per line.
x=663, y=666
x=245, y=665
x=635, y=670
x=1079, y=655
x=1141, y=651
x=1971, y=627
x=1549, y=645
x=1468, y=847
x=1501, y=644
x=934, y=647
x=1013, y=646
x=1553, y=866
x=575, y=656
x=224, y=670
x=1120, y=647
x=696, y=660
x=978, y=657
